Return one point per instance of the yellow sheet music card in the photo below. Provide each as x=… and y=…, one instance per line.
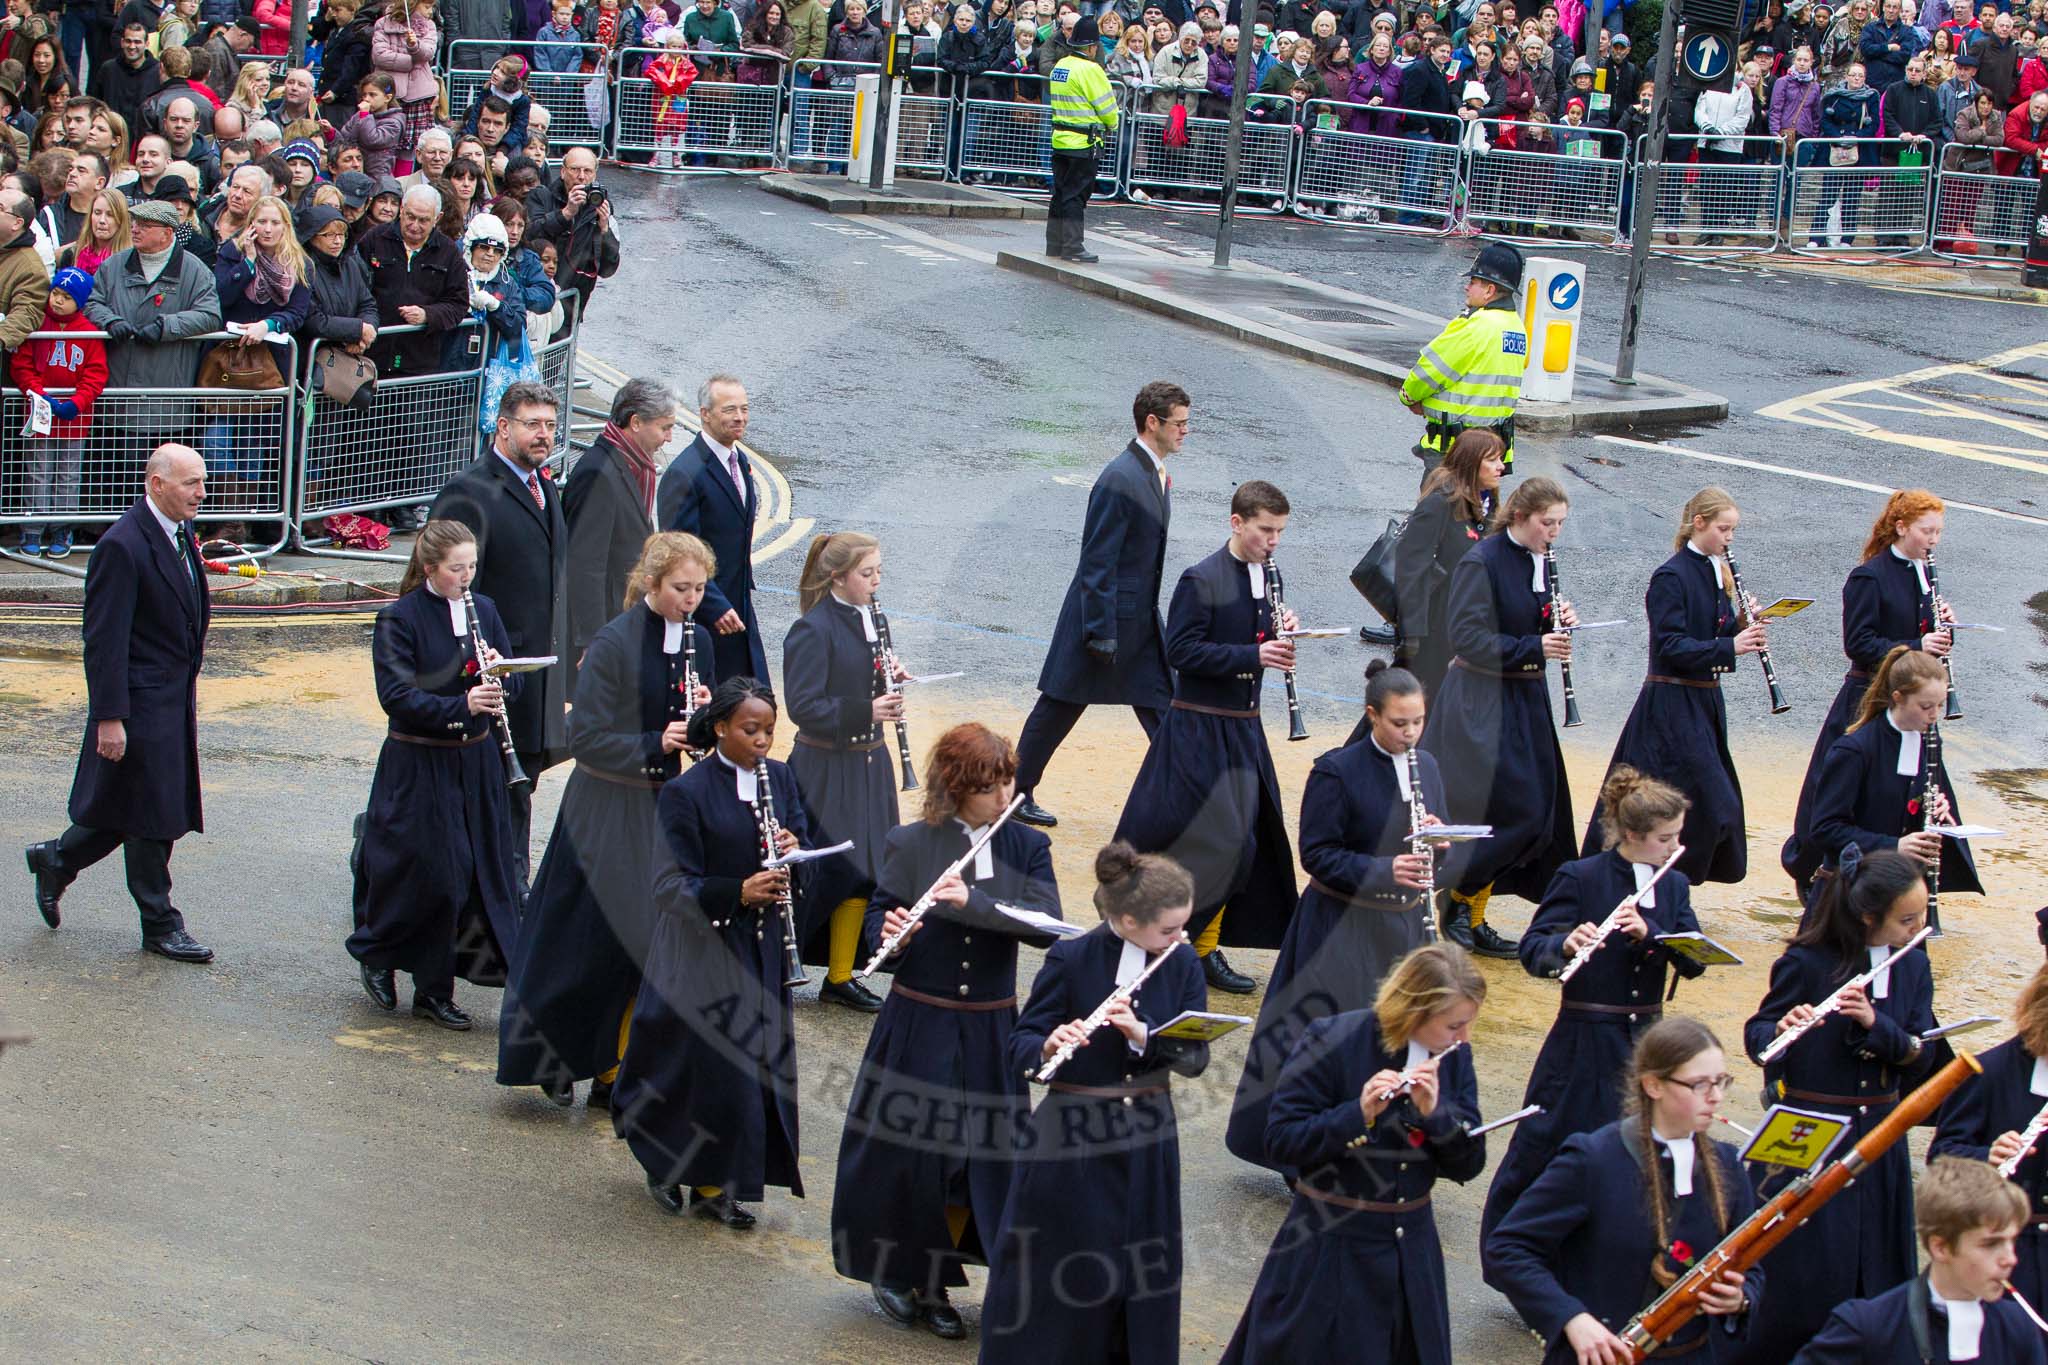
x=1784, y=607
x=1200, y=1026
x=1798, y=1139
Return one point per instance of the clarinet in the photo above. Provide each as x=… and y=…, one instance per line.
x=1418, y=843
x=885, y=670
x=1564, y=666
x=1953, y=708
x=793, y=974
x=1297, y=728
x=1930, y=791
x=515, y=776
x=1748, y=604
x=684, y=709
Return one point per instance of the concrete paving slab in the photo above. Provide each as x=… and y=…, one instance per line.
x=930, y=198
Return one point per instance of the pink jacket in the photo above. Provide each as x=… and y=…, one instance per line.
x=407, y=53
x=276, y=18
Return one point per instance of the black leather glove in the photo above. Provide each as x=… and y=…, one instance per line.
x=120, y=329
x=151, y=331
x=1104, y=650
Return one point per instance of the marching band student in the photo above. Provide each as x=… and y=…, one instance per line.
x=1494, y=727
x=1854, y=1063
x=1363, y=908
x=1986, y=1118
x=1877, y=783
x=1887, y=601
x=914, y=1204
x=1619, y=994
x=1959, y=1309
x=1457, y=501
x=1678, y=730
x=1371, y=1110
x=706, y=1095
x=1622, y=1211
x=832, y=679
x=1206, y=791
x=1087, y=1266
x=436, y=895
x=591, y=916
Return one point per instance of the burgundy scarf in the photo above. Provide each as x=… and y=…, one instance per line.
x=640, y=466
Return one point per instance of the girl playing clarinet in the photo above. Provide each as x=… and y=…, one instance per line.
x=912, y=1206
x=1373, y=1107
x=833, y=675
x=435, y=891
x=1364, y=907
x=1625, y=1209
x=1494, y=726
x=1887, y=602
x=1087, y=1267
x=1618, y=994
x=1678, y=729
x=1854, y=1063
x=591, y=916
x=706, y=1095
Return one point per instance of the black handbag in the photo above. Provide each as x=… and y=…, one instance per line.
x=1373, y=575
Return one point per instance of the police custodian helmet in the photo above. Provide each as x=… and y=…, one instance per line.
x=1499, y=264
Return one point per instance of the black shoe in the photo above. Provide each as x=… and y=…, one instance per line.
x=600, y=1096
x=383, y=992
x=178, y=947
x=49, y=890
x=941, y=1316
x=562, y=1094
x=1221, y=978
x=899, y=1304
x=1487, y=942
x=851, y=994
x=1031, y=813
x=1081, y=257
x=1456, y=923
x=1385, y=636
x=442, y=1012
x=720, y=1208
x=669, y=1197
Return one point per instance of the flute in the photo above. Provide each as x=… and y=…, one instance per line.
x=1834, y=1001
x=1297, y=728
x=1418, y=842
x=1526, y=1112
x=1952, y=708
x=886, y=665
x=1606, y=927
x=1749, y=609
x=893, y=943
x=515, y=776
x=1564, y=666
x=1409, y=1077
x=793, y=973
x=1100, y=1016
x=2025, y=1307
x=2029, y=1135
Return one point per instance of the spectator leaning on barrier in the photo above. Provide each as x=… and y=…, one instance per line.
x=78, y=364
x=1180, y=72
x=1909, y=111
x=152, y=300
x=418, y=278
x=2026, y=130
x=343, y=309
x=1979, y=133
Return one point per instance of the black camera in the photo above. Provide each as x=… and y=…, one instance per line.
x=594, y=196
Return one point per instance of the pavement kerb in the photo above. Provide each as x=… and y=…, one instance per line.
x=926, y=199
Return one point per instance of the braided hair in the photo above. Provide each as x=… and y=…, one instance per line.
x=1665, y=1047
x=731, y=694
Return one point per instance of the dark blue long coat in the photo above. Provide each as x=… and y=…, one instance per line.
x=1492, y=728
x=1580, y=1240
x=1114, y=594
x=145, y=639
x=590, y=918
x=1677, y=731
x=1882, y=606
x=937, y=1105
x=706, y=1094
x=697, y=495
x=1383, y=1272
x=438, y=830
x=2002, y=1100
x=848, y=773
x=1889, y=1330
x=1603, y=1010
x=1353, y=923
x=1206, y=793
x=1861, y=1242
x=1862, y=800
x=1091, y=1230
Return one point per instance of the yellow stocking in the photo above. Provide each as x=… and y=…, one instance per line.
x=956, y=1221
x=625, y=1030
x=1212, y=932
x=1476, y=903
x=710, y=1191
x=846, y=922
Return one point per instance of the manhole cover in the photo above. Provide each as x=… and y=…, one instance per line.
x=1331, y=315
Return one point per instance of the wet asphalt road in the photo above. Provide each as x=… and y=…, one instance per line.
x=247, y=1162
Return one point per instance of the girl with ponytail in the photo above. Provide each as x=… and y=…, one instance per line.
x=1624, y=1210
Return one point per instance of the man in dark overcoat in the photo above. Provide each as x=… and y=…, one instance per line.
x=708, y=490
x=137, y=785
x=1109, y=645
x=609, y=502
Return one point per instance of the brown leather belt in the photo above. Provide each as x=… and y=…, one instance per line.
x=1587, y=1007
x=940, y=1002
x=1106, y=1092
x=1712, y=684
x=1533, y=675
x=425, y=742
x=620, y=779
x=1375, y=900
x=1857, y=676
x=834, y=746
x=1197, y=707
x=1345, y=1201
x=1840, y=1101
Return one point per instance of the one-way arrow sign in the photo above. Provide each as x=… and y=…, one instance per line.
x=1706, y=57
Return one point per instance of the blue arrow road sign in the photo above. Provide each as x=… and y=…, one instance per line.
x=1706, y=56
x=1564, y=292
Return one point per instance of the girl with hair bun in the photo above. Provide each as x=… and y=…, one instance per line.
x=591, y=917
x=1887, y=603
x=706, y=1095
x=1363, y=910
x=1087, y=1268
x=1854, y=1064
x=1619, y=994
x=1678, y=729
x=1624, y=1211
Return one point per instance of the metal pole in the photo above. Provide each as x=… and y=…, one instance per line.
x=301, y=15
x=1233, y=142
x=878, y=149
x=1647, y=174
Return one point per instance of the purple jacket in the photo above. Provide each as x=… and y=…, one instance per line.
x=1795, y=105
x=1366, y=82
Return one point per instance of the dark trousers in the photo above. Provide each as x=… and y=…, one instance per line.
x=1073, y=178
x=1050, y=722
x=149, y=871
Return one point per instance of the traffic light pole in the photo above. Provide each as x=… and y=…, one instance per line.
x=1233, y=144
x=1643, y=221
x=885, y=90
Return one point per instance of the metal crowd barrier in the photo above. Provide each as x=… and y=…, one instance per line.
x=820, y=117
x=1832, y=206
x=1974, y=210
x=565, y=94
x=1171, y=175
x=1725, y=199
x=925, y=123
x=1519, y=191
x=245, y=435
x=720, y=120
x=557, y=361
x=1380, y=166
x=1012, y=138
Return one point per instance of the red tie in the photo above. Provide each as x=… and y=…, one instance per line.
x=540, y=499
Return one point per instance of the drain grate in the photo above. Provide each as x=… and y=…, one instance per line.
x=1332, y=315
